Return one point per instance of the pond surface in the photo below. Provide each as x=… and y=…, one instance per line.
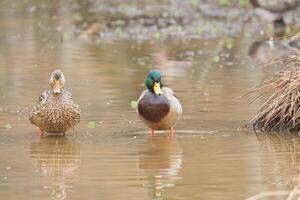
x=110, y=154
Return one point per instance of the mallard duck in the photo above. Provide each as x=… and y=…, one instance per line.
x=158, y=107
x=55, y=111
x=275, y=10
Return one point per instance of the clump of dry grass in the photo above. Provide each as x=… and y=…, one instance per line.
x=281, y=98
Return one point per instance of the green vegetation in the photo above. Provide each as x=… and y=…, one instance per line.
x=8, y=126
x=133, y=104
x=91, y=125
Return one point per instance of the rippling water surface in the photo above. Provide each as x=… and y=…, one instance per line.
x=115, y=159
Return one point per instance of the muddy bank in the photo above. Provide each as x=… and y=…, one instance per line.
x=162, y=20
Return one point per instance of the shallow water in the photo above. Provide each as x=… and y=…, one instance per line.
x=208, y=158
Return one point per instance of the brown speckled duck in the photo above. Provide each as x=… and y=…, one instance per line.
x=158, y=106
x=275, y=10
x=56, y=111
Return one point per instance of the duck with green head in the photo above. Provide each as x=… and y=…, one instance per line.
x=158, y=106
x=56, y=110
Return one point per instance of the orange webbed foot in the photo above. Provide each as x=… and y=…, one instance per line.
x=42, y=133
x=171, y=134
x=151, y=132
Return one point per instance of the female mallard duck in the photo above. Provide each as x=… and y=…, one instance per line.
x=274, y=12
x=158, y=106
x=56, y=110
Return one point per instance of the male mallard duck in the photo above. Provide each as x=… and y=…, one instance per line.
x=274, y=11
x=158, y=106
x=56, y=110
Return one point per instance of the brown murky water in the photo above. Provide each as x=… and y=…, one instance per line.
x=208, y=159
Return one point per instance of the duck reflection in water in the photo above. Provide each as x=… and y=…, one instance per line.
x=57, y=158
x=263, y=51
x=160, y=162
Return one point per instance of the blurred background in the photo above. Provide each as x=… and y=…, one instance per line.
x=209, y=52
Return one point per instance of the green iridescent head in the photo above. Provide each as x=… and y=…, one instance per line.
x=154, y=82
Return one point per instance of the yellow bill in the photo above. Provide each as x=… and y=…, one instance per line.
x=157, y=89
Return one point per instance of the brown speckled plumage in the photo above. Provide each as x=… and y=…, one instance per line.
x=55, y=113
x=274, y=11
x=277, y=6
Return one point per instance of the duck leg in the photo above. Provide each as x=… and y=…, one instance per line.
x=171, y=133
x=151, y=132
x=42, y=133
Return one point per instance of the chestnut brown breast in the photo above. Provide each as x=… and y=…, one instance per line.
x=153, y=107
